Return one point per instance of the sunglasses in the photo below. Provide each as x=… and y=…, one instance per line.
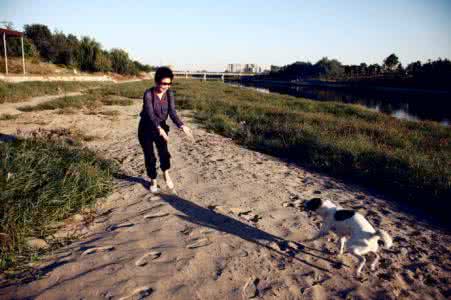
x=165, y=83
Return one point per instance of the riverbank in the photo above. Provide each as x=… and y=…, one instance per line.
x=414, y=107
x=403, y=158
x=356, y=85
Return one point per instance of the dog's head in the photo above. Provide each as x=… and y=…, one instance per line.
x=313, y=204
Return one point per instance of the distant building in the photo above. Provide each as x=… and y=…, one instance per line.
x=234, y=68
x=246, y=68
x=250, y=68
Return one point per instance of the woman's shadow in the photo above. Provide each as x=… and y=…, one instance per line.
x=208, y=217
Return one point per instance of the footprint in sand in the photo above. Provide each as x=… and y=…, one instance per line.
x=97, y=249
x=154, y=198
x=139, y=293
x=207, y=231
x=117, y=226
x=156, y=215
x=199, y=243
x=251, y=217
x=147, y=257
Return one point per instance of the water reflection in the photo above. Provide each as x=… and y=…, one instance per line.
x=434, y=107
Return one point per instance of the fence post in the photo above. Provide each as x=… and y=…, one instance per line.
x=6, y=55
x=23, y=55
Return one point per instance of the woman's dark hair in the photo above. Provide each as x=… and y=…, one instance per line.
x=163, y=72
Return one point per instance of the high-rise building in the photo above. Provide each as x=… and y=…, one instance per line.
x=234, y=68
x=246, y=68
x=250, y=68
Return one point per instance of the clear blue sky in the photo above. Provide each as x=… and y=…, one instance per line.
x=211, y=34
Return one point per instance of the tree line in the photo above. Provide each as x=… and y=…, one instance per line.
x=435, y=73
x=85, y=54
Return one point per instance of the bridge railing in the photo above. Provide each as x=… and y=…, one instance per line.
x=205, y=75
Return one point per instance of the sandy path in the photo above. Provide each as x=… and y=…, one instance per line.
x=222, y=236
x=11, y=108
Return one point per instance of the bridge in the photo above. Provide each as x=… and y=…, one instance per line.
x=208, y=75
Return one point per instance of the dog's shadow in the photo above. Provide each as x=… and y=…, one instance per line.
x=206, y=217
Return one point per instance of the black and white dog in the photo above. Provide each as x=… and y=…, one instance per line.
x=352, y=228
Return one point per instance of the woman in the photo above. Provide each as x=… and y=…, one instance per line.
x=158, y=103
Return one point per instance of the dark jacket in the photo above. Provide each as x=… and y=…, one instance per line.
x=155, y=111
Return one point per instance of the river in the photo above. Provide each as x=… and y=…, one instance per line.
x=410, y=106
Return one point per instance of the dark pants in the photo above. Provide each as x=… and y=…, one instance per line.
x=147, y=138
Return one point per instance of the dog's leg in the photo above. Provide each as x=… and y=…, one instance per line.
x=375, y=261
x=342, y=242
x=362, y=261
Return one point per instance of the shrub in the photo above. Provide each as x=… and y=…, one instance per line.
x=44, y=181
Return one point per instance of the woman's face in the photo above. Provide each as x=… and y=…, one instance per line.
x=164, y=85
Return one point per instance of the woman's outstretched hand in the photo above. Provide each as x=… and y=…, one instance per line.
x=163, y=134
x=188, y=132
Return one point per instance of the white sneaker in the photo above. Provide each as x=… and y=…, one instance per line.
x=154, y=187
x=168, y=180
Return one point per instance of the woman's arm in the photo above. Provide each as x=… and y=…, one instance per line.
x=172, y=112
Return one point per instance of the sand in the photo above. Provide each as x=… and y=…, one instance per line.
x=233, y=230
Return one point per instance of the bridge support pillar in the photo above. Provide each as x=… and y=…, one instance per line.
x=205, y=76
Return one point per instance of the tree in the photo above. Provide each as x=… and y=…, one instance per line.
x=374, y=69
x=103, y=62
x=413, y=68
x=14, y=47
x=329, y=68
x=142, y=68
x=60, y=46
x=391, y=62
x=72, y=47
x=363, y=69
x=120, y=61
x=42, y=39
x=87, y=54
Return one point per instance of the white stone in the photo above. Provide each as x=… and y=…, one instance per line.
x=37, y=243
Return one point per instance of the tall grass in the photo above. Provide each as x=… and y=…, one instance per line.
x=18, y=92
x=43, y=181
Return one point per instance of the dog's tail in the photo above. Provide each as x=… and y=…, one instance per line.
x=386, y=238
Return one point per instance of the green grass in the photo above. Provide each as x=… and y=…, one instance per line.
x=132, y=90
x=18, y=92
x=69, y=103
x=44, y=181
x=119, y=102
x=75, y=102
